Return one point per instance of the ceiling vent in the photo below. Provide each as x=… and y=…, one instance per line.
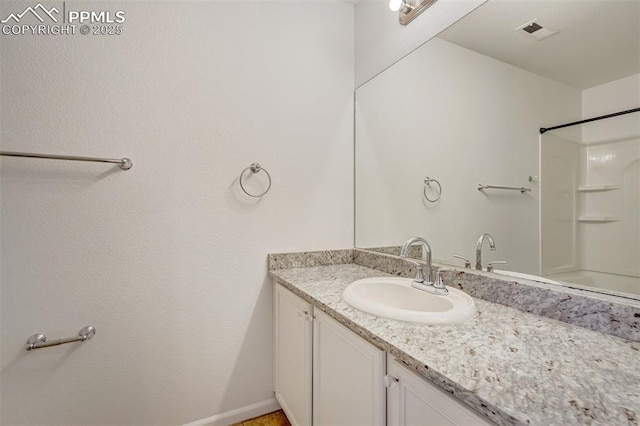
x=534, y=30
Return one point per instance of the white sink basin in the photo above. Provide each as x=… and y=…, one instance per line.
x=395, y=298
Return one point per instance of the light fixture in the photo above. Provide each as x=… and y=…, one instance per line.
x=408, y=10
x=398, y=5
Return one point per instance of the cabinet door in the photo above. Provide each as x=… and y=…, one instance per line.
x=292, y=355
x=413, y=401
x=348, y=372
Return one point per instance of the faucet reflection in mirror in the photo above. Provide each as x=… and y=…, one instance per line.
x=492, y=247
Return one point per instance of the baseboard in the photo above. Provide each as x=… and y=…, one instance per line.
x=286, y=410
x=239, y=414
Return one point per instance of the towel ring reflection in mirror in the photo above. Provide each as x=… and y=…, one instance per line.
x=255, y=168
x=427, y=184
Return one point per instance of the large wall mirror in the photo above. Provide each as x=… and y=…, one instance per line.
x=465, y=110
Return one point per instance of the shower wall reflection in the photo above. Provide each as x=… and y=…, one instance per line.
x=590, y=195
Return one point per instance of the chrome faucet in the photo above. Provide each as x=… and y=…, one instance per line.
x=426, y=255
x=424, y=278
x=492, y=247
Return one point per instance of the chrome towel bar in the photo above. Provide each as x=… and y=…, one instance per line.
x=39, y=340
x=123, y=163
x=522, y=189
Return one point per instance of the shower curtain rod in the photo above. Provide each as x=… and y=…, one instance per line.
x=588, y=120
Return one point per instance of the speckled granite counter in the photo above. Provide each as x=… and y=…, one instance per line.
x=512, y=366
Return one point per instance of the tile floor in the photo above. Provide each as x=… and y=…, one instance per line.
x=277, y=418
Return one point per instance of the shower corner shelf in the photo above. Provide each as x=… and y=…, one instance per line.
x=597, y=188
x=598, y=219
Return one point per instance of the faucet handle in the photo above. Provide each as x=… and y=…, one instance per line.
x=467, y=262
x=490, y=267
x=419, y=270
x=439, y=282
x=419, y=273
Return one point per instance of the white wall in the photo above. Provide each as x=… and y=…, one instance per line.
x=617, y=95
x=464, y=119
x=380, y=39
x=167, y=260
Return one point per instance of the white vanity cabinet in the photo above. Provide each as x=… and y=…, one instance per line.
x=348, y=374
x=412, y=400
x=292, y=355
x=324, y=374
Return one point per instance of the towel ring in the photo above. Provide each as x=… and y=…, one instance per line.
x=255, y=168
x=427, y=183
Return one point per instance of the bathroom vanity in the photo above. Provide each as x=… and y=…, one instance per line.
x=334, y=364
x=325, y=374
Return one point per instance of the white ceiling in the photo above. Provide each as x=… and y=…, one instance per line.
x=599, y=40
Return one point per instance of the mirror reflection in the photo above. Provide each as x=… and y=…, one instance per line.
x=448, y=145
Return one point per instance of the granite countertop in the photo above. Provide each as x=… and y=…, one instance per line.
x=512, y=366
